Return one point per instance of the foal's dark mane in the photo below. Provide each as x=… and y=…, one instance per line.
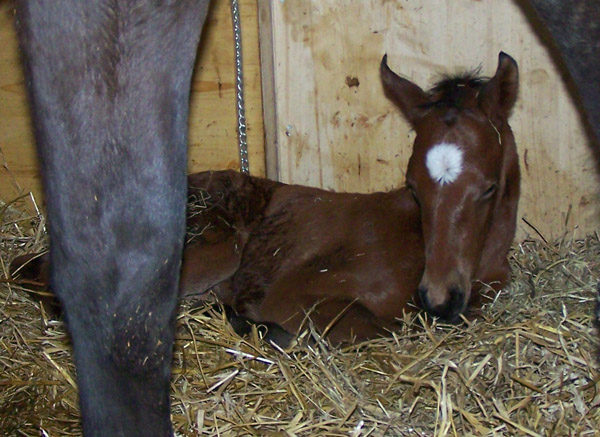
x=455, y=91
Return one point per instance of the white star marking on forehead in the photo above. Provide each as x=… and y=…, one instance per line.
x=444, y=162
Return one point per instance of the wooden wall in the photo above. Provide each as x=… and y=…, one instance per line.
x=213, y=119
x=327, y=121
x=333, y=127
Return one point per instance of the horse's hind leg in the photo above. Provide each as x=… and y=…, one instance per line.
x=109, y=85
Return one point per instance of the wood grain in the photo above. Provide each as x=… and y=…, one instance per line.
x=213, y=119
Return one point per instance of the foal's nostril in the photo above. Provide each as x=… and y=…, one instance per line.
x=422, y=292
x=450, y=309
x=457, y=298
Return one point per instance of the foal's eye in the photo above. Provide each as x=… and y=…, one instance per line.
x=414, y=194
x=489, y=192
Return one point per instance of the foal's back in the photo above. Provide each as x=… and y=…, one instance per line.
x=352, y=258
x=357, y=257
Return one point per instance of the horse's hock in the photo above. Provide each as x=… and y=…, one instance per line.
x=317, y=115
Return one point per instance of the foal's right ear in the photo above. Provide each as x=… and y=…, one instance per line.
x=408, y=96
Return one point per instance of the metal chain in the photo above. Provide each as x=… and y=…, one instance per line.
x=239, y=87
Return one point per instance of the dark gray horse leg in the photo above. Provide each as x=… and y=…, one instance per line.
x=109, y=84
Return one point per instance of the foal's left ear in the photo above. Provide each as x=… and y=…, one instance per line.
x=499, y=95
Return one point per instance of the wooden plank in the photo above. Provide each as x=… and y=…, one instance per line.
x=267, y=42
x=213, y=120
x=16, y=135
x=336, y=130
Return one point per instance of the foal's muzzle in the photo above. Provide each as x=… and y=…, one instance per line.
x=450, y=309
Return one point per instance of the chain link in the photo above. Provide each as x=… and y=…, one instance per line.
x=239, y=87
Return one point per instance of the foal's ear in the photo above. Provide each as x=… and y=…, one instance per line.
x=499, y=95
x=408, y=96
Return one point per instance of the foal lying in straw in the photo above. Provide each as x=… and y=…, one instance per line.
x=275, y=253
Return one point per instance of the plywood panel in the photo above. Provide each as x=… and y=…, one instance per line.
x=335, y=129
x=16, y=136
x=213, y=120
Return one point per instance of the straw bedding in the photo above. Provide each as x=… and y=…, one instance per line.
x=527, y=365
